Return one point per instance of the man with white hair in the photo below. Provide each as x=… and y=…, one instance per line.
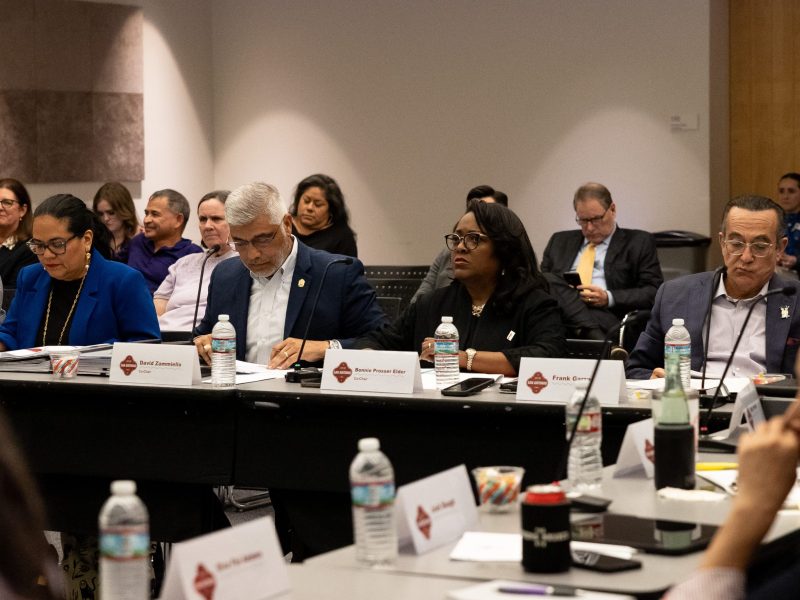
x=269, y=292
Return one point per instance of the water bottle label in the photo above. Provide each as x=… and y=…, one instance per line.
x=223, y=345
x=372, y=495
x=122, y=543
x=679, y=349
x=590, y=422
x=445, y=347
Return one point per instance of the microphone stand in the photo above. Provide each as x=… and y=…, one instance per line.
x=706, y=442
x=718, y=273
x=211, y=252
x=298, y=374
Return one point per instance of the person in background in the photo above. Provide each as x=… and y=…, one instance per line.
x=319, y=216
x=767, y=472
x=498, y=299
x=789, y=199
x=28, y=568
x=175, y=298
x=161, y=244
x=619, y=267
x=16, y=220
x=440, y=273
x=76, y=296
x=114, y=205
x=751, y=238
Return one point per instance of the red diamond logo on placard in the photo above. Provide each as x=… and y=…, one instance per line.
x=204, y=582
x=342, y=372
x=537, y=382
x=424, y=522
x=650, y=451
x=128, y=365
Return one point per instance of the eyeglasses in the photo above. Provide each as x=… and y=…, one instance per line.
x=471, y=240
x=591, y=221
x=56, y=245
x=757, y=249
x=260, y=242
x=8, y=202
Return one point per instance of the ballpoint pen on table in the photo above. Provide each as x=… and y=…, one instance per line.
x=537, y=590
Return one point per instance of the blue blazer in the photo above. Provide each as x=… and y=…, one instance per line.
x=347, y=308
x=115, y=305
x=687, y=298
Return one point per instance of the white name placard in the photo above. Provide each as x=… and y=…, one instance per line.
x=554, y=379
x=241, y=562
x=154, y=364
x=371, y=371
x=435, y=510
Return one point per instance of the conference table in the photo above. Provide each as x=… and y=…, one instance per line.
x=177, y=442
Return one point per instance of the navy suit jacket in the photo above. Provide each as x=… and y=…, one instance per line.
x=631, y=267
x=687, y=297
x=115, y=305
x=347, y=307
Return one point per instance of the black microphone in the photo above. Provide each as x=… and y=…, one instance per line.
x=633, y=316
x=298, y=374
x=718, y=273
x=209, y=253
x=705, y=441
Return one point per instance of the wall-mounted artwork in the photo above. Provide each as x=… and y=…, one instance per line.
x=70, y=91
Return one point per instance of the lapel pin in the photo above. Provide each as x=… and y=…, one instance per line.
x=302, y=283
x=784, y=312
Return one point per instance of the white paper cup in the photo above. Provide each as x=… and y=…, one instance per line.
x=64, y=363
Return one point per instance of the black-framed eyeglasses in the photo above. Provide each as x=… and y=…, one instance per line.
x=757, y=249
x=56, y=245
x=8, y=202
x=593, y=220
x=260, y=242
x=471, y=240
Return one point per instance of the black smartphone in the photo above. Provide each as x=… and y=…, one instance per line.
x=470, y=386
x=573, y=278
x=312, y=382
x=593, y=561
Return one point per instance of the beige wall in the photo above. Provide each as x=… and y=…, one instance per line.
x=410, y=104
x=177, y=105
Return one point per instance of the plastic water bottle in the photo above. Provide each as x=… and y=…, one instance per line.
x=223, y=353
x=372, y=493
x=678, y=341
x=585, y=466
x=124, y=545
x=445, y=353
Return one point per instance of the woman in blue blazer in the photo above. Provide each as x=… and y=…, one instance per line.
x=75, y=296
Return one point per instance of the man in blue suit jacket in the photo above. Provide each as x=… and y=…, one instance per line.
x=752, y=240
x=282, y=276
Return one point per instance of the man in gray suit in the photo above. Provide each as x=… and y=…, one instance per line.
x=622, y=268
x=752, y=240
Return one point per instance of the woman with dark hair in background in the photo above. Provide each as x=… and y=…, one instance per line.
x=789, y=199
x=498, y=299
x=16, y=219
x=319, y=216
x=114, y=205
x=28, y=569
x=77, y=296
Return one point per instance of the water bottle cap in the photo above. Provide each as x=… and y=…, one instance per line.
x=677, y=322
x=447, y=319
x=369, y=444
x=223, y=318
x=123, y=487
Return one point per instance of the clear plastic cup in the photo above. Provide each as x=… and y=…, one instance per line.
x=64, y=363
x=498, y=487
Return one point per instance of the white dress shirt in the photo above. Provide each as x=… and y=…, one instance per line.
x=266, y=317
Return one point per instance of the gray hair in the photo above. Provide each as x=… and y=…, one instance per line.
x=248, y=202
x=176, y=202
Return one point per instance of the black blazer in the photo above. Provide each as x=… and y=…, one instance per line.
x=633, y=273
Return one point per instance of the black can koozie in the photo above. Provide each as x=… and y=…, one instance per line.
x=545, y=530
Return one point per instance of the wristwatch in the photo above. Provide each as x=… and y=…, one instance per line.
x=471, y=352
x=334, y=345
